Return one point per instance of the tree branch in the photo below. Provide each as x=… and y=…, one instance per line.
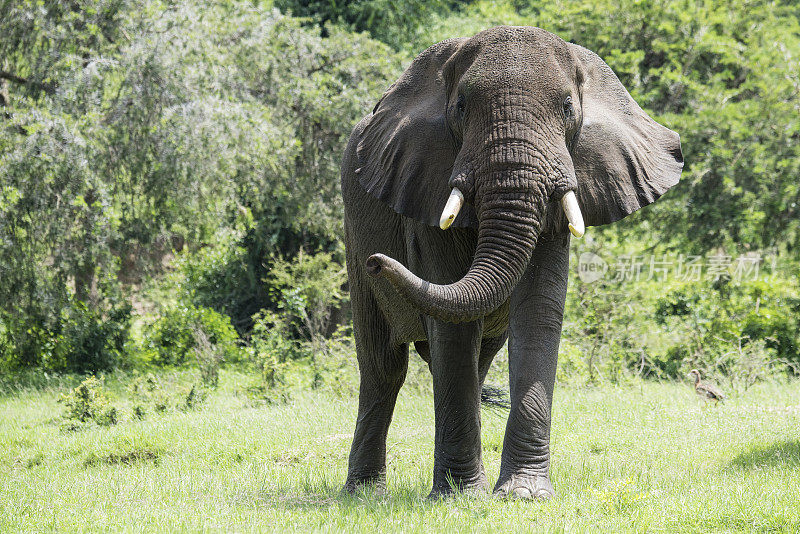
x=46, y=87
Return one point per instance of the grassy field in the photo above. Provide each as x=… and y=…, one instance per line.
x=646, y=457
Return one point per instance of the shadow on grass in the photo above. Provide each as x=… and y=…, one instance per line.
x=778, y=454
x=324, y=496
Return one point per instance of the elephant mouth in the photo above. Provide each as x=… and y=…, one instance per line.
x=569, y=203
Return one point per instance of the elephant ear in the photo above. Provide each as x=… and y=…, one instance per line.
x=406, y=150
x=623, y=159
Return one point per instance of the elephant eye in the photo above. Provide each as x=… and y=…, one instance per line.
x=568, y=111
x=461, y=106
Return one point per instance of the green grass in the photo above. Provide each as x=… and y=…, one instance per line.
x=646, y=457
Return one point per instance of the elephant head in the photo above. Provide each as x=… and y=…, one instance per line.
x=496, y=132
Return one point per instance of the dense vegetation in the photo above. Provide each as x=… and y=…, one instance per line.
x=169, y=183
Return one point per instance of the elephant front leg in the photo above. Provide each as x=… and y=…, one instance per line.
x=382, y=365
x=536, y=313
x=456, y=392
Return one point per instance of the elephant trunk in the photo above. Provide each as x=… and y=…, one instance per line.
x=509, y=225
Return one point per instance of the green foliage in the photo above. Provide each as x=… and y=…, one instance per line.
x=271, y=351
x=91, y=341
x=281, y=360
x=128, y=126
x=87, y=403
x=131, y=129
x=388, y=21
x=221, y=277
x=310, y=288
x=181, y=332
x=339, y=375
x=194, y=398
x=147, y=392
x=743, y=328
x=209, y=357
x=78, y=339
x=737, y=330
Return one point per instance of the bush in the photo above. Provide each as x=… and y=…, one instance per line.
x=88, y=403
x=225, y=278
x=279, y=358
x=92, y=341
x=79, y=339
x=271, y=350
x=308, y=290
x=148, y=393
x=181, y=331
x=728, y=325
x=742, y=328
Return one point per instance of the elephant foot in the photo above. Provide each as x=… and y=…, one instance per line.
x=536, y=487
x=450, y=491
x=445, y=486
x=375, y=485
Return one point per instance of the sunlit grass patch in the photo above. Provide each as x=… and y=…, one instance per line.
x=647, y=457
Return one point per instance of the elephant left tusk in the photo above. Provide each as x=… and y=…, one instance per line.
x=573, y=212
x=451, y=209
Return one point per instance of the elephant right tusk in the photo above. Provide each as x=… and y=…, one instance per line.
x=451, y=209
x=573, y=212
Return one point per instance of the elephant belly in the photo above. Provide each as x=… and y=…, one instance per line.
x=407, y=323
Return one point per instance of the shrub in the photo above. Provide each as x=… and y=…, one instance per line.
x=308, y=290
x=338, y=368
x=194, y=398
x=87, y=403
x=92, y=341
x=146, y=390
x=225, y=278
x=209, y=357
x=181, y=330
x=734, y=329
x=271, y=349
x=78, y=338
x=662, y=327
x=139, y=412
x=281, y=360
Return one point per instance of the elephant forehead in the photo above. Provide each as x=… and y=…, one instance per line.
x=512, y=80
x=521, y=71
x=519, y=45
x=497, y=36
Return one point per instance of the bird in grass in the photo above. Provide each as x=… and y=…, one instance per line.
x=706, y=390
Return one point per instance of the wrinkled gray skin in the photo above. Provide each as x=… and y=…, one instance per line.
x=514, y=117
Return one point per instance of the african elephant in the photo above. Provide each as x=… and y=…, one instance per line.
x=459, y=190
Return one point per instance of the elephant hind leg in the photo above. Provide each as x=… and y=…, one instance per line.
x=382, y=365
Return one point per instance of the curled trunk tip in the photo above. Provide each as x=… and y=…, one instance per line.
x=374, y=264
